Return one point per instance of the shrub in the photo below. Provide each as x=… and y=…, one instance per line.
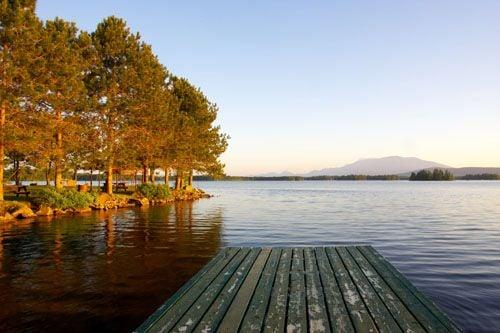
x=152, y=191
x=75, y=199
x=147, y=190
x=162, y=191
x=63, y=199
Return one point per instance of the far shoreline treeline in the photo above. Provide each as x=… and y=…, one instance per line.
x=336, y=178
x=74, y=100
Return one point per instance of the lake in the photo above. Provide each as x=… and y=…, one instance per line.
x=110, y=270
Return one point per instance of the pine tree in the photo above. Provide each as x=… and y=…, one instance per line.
x=19, y=30
x=62, y=76
x=150, y=121
x=198, y=143
x=113, y=82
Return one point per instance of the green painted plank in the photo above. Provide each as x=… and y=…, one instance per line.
x=316, y=308
x=198, y=308
x=425, y=317
x=256, y=312
x=398, y=310
x=379, y=312
x=234, y=316
x=239, y=281
x=298, y=290
x=165, y=316
x=297, y=308
x=337, y=311
x=359, y=314
x=424, y=299
x=276, y=315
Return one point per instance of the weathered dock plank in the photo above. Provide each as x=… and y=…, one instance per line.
x=343, y=289
x=316, y=307
x=424, y=309
x=297, y=311
x=398, y=310
x=358, y=312
x=254, y=318
x=276, y=314
x=336, y=308
x=379, y=312
x=234, y=315
x=220, y=306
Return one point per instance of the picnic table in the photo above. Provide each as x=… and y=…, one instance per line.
x=121, y=187
x=22, y=189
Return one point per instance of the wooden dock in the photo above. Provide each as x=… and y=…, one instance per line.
x=332, y=289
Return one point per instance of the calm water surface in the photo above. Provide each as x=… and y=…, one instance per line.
x=110, y=270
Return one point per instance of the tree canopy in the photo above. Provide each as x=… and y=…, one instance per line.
x=101, y=100
x=436, y=175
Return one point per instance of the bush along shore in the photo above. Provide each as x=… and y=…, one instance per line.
x=47, y=201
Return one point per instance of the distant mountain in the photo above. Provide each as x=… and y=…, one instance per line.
x=460, y=172
x=277, y=174
x=391, y=165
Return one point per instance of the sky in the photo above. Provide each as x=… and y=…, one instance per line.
x=305, y=85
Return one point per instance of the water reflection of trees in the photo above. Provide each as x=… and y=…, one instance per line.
x=117, y=266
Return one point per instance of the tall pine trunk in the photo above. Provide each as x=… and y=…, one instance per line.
x=152, y=175
x=17, y=172
x=47, y=173
x=190, y=179
x=91, y=173
x=179, y=180
x=167, y=176
x=144, y=173
x=2, y=144
x=59, y=154
x=109, y=178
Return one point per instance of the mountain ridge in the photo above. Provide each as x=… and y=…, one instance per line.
x=389, y=165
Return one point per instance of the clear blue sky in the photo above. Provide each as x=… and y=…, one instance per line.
x=304, y=85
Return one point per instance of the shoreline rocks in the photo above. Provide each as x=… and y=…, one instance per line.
x=21, y=210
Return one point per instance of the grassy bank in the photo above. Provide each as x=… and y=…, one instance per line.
x=47, y=201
